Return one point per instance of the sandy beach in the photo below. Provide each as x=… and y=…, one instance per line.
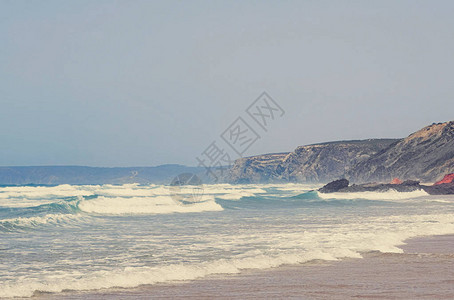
x=424, y=271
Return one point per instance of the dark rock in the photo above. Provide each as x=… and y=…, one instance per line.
x=410, y=183
x=343, y=187
x=335, y=186
x=440, y=189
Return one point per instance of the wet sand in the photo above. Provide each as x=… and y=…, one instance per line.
x=424, y=271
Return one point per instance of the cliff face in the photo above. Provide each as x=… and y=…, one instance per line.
x=425, y=155
x=312, y=163
x=255, y=169
x=328, y=161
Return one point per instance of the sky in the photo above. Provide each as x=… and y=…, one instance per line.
x=144, y=83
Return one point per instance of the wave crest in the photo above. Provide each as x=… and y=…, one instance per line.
x=389, y=195
x=144, y=205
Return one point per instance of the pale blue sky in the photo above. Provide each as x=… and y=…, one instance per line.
x=138, y=83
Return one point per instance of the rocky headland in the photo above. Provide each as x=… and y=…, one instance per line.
x=312, y=163
x=424, y=156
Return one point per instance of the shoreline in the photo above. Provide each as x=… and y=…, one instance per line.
x=424, y=271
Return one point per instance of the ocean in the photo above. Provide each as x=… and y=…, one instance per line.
x=100, y=237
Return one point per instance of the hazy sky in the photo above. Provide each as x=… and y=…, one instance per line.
x=140, y=83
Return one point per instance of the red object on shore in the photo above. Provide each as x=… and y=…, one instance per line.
x=449, y=178
x=396, y=181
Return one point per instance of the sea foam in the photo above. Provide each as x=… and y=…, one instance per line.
x=386, y=196
x=346, y=241
x=145, y=205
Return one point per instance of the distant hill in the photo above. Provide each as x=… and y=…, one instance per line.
x=312, y=163
x=51, y=175
x=426, y=155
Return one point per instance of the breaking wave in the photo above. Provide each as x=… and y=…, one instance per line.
x=144, y=205
x=250, y=227
x=345, y=241
x=22, y=223
x=385, y=196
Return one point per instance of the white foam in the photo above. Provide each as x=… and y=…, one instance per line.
x=24, y=196
x=132, y=192
x=40, y=220
x=216, y=190
x=278, y=244
x=20, y=202
x=228, y=191
x=389, y=195
x=40, y=192
x=134, y=276
x=297, y=187
x=235, y=195
x=145, y=205
x=288, y=247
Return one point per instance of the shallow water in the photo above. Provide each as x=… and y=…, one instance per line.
x=99, y=237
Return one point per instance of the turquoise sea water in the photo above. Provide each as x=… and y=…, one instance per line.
x=67, y=237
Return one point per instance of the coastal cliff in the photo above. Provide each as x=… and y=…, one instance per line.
x=256, y=169
x=311, y=163
x=426, y=155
